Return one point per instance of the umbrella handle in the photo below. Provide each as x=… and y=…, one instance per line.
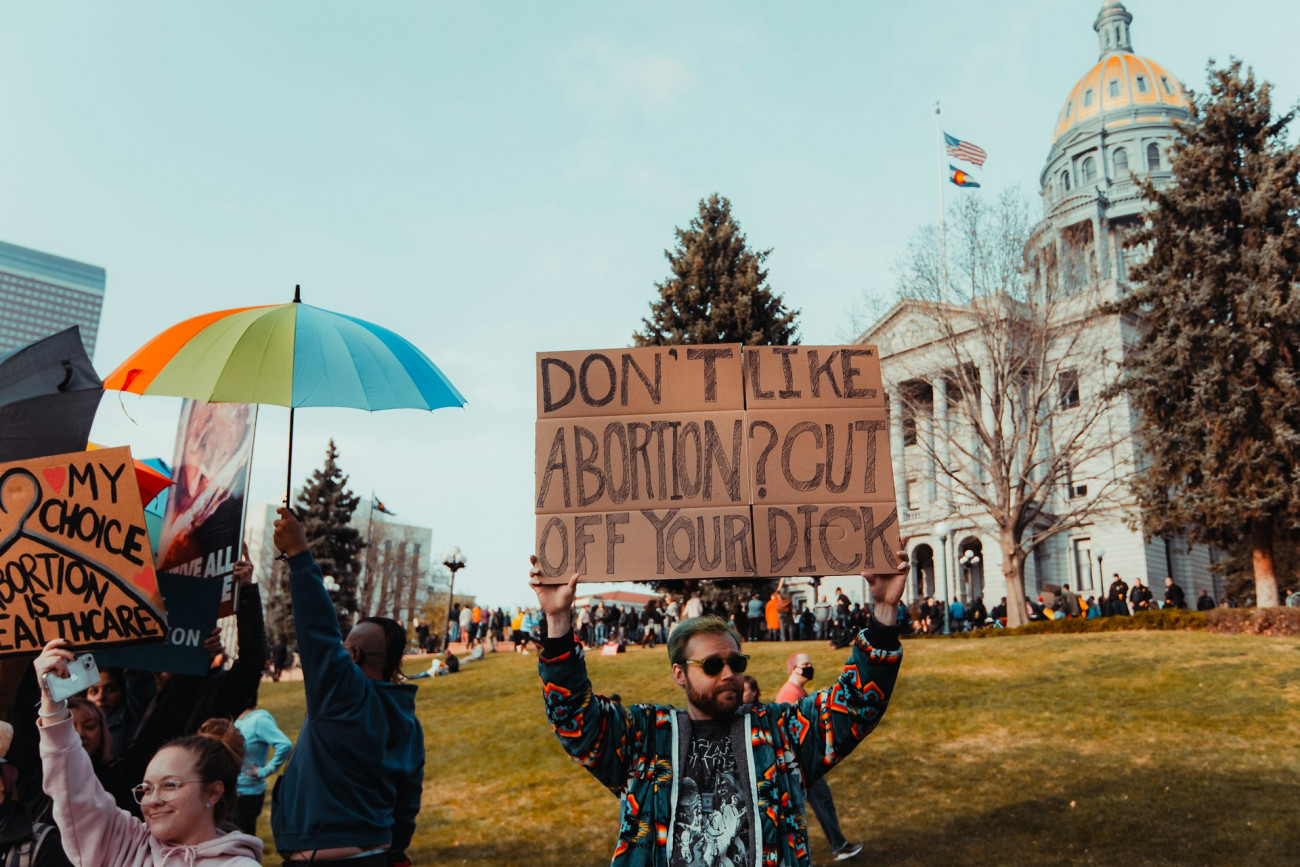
x=288, y=478
x=288, y=481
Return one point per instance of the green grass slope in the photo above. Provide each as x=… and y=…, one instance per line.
x=1120, y=748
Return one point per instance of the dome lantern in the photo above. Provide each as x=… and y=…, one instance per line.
x=1112, y=26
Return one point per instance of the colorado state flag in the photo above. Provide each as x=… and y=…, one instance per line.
x=960, y=178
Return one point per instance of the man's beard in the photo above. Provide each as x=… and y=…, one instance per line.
x=715, y=703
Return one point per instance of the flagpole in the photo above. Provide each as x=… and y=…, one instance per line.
x=943, y=220
x=370, y=546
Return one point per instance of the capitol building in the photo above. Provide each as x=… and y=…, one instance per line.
x=1114, y=130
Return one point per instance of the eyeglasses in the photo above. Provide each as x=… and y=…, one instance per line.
x=712, y=666
x=166, y=791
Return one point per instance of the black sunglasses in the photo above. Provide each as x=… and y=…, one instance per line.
x=712, y=666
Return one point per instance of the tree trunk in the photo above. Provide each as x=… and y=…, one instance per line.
x=1261, y=544
x=1013, y=573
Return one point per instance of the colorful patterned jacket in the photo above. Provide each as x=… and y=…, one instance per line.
x=631, y=750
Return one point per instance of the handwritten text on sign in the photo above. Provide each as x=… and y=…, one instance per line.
x=75, y=561
x=713, y=461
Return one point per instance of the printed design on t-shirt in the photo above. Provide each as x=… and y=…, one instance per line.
x=713, y=818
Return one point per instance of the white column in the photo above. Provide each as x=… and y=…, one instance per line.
x=986, y=414
x=941, y=442
x=925, y=428
x=896, y=451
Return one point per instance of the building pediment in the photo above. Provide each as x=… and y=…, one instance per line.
x=909, y=324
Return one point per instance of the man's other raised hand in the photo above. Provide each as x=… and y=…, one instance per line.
x=887, y=590
x=555, y=600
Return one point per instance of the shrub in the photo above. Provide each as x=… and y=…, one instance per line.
x=1163, y=619
x=1255, y=621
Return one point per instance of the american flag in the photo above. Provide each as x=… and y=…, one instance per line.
x=964, y=150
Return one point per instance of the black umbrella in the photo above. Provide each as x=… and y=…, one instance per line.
x=49, y=392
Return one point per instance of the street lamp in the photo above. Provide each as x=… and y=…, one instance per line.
x=1101, y=577
x=968, y=561
x=455, y=561
x=943, y=529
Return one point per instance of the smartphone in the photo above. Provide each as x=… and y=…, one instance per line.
x=83, y=673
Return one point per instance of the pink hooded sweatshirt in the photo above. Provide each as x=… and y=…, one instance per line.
x=97, y=833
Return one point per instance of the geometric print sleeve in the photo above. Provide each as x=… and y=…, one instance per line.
x=597, y=733
x=825, y=726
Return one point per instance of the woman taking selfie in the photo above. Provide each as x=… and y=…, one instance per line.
x=187, y=795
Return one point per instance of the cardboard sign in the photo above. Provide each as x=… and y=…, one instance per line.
x=204, y=520
x=191, y=616
x=713, y=462
x=75, y=560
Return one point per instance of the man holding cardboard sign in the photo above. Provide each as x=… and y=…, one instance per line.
x=718, y=783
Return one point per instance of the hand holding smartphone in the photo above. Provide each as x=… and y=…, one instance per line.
x=83, y=673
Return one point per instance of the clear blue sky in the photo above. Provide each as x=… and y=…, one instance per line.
x=491, y=179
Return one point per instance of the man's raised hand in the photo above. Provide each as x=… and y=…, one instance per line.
x=887, y=590
x=555, y=600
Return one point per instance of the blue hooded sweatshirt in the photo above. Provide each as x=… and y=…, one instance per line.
x=356, y=774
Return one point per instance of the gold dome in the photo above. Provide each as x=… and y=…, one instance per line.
x=1122, y=83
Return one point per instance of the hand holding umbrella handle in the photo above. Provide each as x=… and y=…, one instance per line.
x=289, y=535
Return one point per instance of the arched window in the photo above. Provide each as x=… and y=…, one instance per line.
x=1089, y=170
x=1120, y=160
x=1065, y=180
x=1142, y=84
x=1087, y=97
x=1114, y=87
x=1153, y=158
x=1119, y=35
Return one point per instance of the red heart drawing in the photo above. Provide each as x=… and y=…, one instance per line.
x=146, y=580
x=55, y=477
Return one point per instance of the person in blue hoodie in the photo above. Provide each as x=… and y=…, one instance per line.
x=266, y=749
x=351, y=791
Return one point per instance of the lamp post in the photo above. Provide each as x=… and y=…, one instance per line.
x=455, y=561
x=968, y=561
x=942, y=530
x=1101, y=577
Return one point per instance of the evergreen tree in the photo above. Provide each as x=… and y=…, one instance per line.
x=1214, y=370
x=718, y=290
x=325, y=507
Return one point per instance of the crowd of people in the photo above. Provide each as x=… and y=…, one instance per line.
x=142, y=768
x=927, y=616
x=779, y=617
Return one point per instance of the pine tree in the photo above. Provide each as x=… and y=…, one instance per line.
x=718, y=290
x=325, y=507
x=1214, y=370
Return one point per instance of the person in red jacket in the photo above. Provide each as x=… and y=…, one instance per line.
x=800, y=668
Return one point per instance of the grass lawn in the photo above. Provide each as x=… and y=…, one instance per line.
x=1101, y=749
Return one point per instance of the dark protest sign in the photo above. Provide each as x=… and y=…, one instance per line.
x=713, y=462
x=75, y=561
x=204, y=521
x=191, y=616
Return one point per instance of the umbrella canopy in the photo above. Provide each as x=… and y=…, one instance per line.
x=49, y=392
x=289, y=355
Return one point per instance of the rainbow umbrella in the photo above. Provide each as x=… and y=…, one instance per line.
x=290, y=355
